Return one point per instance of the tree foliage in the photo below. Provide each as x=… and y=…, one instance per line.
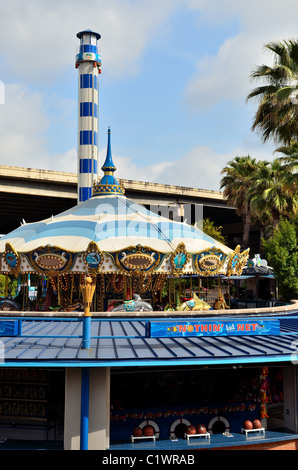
x=8, y=284
x=271, y=193
x=236, y=182
x=281, y=252
x=215, y=232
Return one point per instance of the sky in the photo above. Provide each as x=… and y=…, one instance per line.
x=173, y=88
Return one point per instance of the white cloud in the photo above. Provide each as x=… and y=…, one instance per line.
x=225, y=76
x=22, y=124
x=38, y=37
x=200, y=168
x=66, y=161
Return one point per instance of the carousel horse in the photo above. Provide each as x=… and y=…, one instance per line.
x=134, y=305
x=75, y=307
x=220, y=304
x=194, y=303
x=9, y=305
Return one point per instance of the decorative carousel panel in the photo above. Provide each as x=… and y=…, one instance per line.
x=108, y=266
x=209, y=262
x=25, y=266
x=12, y=259
x=137, y=259
x=165, y=265
x=79, y=265
x=4, y=266
x=237, y=262
x=243, y=260
x=93, y=258
x=179, y=259
x=51, y=259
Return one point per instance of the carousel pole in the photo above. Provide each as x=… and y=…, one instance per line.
x=71, y=289
x=6, y=285
x=125, y=288
x=58, y=289
x=23, y=290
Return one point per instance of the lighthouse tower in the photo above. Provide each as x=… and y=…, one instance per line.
x=88, y=61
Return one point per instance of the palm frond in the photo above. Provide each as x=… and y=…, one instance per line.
x=277, y=113
x=285, y=93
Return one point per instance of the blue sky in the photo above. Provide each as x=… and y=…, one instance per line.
x=173, y=88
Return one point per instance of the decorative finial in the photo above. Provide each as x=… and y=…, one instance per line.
x=109, y=164
x=108, y=184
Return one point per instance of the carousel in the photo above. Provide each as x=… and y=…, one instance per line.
x=137, y=260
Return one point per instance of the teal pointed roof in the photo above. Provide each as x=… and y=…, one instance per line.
x=109, y=164
x=108, y=183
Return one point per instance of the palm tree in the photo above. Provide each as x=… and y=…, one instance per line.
x=270, y=193
x=236, y=182
x=290, y=164
x=277, y=114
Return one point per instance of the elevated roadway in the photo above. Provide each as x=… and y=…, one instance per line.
x=30, y=194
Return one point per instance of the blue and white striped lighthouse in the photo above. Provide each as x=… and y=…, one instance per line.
x=88, y=61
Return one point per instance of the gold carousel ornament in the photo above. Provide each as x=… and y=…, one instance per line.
x=54, y=259
x=93, y=258
x=88, y=289
x=243, y=261
x=179, y=259
x=12, y=259
x=137, y=259
x=209, y=262
x=237, y=261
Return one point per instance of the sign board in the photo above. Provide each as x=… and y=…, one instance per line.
x=10, y=327
x=167, y=329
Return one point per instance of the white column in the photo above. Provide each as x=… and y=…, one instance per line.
x=290, y=397
x=72, y=412
x=99, y=409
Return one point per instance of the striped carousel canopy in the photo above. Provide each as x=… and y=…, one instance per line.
x=115, y=231
x=114, y=223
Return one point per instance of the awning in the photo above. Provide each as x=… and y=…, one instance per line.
x=236, y=278
x=123, y=343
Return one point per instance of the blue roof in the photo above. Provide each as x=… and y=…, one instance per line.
x=57, y=342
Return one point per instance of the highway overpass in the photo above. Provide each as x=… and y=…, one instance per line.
x=30, y=194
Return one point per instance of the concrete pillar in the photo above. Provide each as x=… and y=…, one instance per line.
x=290, y=397
x=72, y=412
x=99, y=409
